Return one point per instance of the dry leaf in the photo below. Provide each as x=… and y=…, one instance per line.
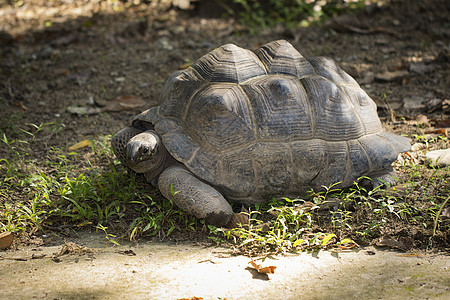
x=79, y=145
x=392, y=76
x=343, y=247
x=6, y=239
x=23, y=107
x=124, y=102
x=185, y=66
x=443, y=131
x=442, y=123
x=260, y=269
x=84, y=110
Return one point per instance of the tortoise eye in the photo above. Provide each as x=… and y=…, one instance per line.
x=153, y=150
x=145, y=149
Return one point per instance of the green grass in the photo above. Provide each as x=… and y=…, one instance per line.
x=257, y=15
x=69, y=190
x=89, y=189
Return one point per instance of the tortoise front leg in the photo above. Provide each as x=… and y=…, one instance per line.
x=193, y=195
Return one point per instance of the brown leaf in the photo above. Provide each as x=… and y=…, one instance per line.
x=263, y=270
x=441, y=123
x=23, y=107
x=442, y=131
x=392, y=76
x=124, y=102
x=345, y=247
x=6, y=239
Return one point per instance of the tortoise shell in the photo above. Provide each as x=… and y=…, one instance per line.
x=270, y=123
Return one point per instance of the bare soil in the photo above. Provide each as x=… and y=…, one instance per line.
x=89, y=269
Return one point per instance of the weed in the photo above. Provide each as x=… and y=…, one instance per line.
x=257, y=15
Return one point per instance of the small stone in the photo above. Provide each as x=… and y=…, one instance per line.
x=439, y=157
x=421, y=68
x=413, y=103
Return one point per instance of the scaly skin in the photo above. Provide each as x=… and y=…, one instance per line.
x=143, y=152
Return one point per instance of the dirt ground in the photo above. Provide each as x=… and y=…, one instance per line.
x=60, y=54
x=91, y=270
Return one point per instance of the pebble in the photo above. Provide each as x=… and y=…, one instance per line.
x=439, y=157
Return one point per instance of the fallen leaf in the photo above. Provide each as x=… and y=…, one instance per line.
x=392, y=76
x=442, y=131
x=79, y=145
x=23, y=107
x=6, y=239
x=185, y=66
x=441, y=123
x=84, y=110
x=348, y=247
x=263, y=270
x=124, y=102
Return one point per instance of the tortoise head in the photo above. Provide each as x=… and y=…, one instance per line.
x=146, y=153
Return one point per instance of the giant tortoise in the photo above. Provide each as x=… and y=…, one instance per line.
x=245, y=126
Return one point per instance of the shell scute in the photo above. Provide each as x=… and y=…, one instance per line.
x=280, y=57
x=272, y=162
x=177, y=92
x=280, y=108
x=334, y=115
x=229, y=63
x=329, y=69
x=219, y=117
